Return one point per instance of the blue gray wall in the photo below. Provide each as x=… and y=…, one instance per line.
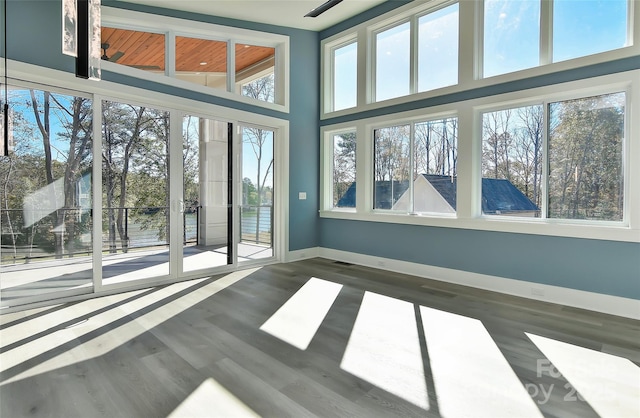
x=35, y=37
x=605, y=267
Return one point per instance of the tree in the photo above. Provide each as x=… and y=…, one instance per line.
x=585, y=158
x=344, y=164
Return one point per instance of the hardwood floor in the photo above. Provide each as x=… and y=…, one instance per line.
x=317, y=338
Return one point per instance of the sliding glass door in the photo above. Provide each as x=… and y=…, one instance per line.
x=256, y=209
x=46, y=195
x=206, y=209
x=136, y=222
x=175, y=196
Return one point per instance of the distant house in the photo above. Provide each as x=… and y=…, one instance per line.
x=435, y=193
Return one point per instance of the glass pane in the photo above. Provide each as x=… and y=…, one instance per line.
x=434, y=178
x=135, y=192
x=586, y=176
x=344, y=170
x=393, y=50
x=46, y=195
x=202, y=62
x=205, y=219
x=512, y=161
x=438, y=49
x=584, y=27
x=511, y=35
x=345, y=76
x=391, y=168
x=255, y=71
x=142, y=50
x=256, y=209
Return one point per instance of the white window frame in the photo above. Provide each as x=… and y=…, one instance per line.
x=330, y=69
x=469, y=171
x=470, y=55
x=127, y=19
x=327, y=162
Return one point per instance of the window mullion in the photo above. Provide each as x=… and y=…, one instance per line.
x=412, y=159
x=231, y=66
x=413, y=55
x=546, y=32
x=544, y=183
x=170, y=53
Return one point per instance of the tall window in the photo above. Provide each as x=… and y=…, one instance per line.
x=438, y=49
x=345, y=76
x=415, y=167
x=516, y=32
x=393, y=66
x=585, y=155
x=344, y=170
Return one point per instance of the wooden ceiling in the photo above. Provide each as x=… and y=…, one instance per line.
x=146, y=51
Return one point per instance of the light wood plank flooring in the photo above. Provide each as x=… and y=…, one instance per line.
x=317, y=338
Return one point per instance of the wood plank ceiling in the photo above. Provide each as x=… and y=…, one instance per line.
x=146, y=51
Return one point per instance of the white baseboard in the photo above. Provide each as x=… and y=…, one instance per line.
x=608, y=304
x=302, y=254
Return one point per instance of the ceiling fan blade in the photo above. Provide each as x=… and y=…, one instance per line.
x=145, y=67
x=115, y=57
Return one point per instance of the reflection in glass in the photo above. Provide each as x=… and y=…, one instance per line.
x=46, y=195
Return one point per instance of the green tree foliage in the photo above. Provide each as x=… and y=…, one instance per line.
x=585, y=158
x=344, y=164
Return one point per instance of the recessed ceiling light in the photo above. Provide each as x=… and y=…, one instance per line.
x=203, y=63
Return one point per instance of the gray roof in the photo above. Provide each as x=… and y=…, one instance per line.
x=498, y=195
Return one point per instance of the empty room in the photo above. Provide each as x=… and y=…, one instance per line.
x=350, y=208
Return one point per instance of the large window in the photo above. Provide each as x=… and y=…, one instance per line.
x=584, y=152
x=432, y=49
x=524, y=34
x=415, y=167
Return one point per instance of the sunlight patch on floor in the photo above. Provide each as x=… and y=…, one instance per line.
x=471, y=376
x=384, y=348
x=610, y=384
x=298, y=320
x=104, y=342
x=212, y=399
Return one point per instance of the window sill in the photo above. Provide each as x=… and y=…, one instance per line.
x=554, y=227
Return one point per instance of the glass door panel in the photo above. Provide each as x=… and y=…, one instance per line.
x=135, y=193
x=206, y=156
x=257, y=192
x=45, y=197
